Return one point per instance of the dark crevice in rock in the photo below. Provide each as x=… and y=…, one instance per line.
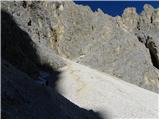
x=155, y=62
x=92, y=28
x=140, y=39
x=152, y=50
x=29, y=23
x=55, y=35
x=151, y=19
x=24, y=4
x=138, y=25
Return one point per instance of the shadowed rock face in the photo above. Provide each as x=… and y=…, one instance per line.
x=21, y=95
x=24, y=98
x=115, y=45
x=17, y=47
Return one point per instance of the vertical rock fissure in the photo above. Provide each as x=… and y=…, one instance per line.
x=154, y=60
x=150, y=46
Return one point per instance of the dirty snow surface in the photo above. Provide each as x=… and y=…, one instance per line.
x=110, y=96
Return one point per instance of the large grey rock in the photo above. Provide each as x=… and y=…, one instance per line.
x=124, y=46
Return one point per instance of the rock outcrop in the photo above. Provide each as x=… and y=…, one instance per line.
x=125, y=47
x=146, y=27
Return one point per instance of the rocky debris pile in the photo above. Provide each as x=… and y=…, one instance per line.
x=124, y=46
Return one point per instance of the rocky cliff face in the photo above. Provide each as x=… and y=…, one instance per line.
x=124, y=46
x=145, y=27
x=25, y=90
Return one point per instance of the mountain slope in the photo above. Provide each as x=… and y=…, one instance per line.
x=23, y=98
x=112, y=97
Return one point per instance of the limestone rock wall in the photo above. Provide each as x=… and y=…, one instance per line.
x=124, y=46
